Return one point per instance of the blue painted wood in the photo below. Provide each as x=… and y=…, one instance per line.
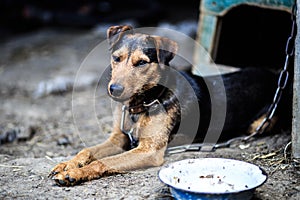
x=209, y=25
x=220, y=7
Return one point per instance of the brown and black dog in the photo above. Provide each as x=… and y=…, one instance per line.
x=139, y=74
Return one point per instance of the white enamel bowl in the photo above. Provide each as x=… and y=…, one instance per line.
x=212, y=178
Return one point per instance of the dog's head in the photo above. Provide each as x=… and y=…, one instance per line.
x=137, y=61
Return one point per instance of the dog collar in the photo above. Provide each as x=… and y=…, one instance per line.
x=153, y=105
x=147, y=101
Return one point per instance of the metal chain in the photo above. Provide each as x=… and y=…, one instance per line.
x=281, y=85
x=282, y=80
x=133, y=142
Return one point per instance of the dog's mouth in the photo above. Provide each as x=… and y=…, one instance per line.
x=125, y=97
x=119, y=99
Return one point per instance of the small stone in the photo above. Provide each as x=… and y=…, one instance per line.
x=63, y=141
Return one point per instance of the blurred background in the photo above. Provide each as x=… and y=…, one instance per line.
x=28, y=15
x=250, y=35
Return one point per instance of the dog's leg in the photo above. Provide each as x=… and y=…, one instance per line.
x=153, y=141
x=113, y=145
x=145, y=155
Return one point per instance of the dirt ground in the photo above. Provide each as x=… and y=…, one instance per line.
x=51, y=124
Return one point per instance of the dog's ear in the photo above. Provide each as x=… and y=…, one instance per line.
x=165, y=48
x=115, y=33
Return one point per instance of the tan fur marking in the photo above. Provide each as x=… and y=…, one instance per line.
x=137, y=56
x=258, y=122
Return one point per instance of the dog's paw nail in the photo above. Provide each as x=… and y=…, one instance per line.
x=53, y=173
x=71, y=180
x=61, y=182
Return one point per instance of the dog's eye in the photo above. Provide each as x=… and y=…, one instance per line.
x=116, y=58
x=140, y=63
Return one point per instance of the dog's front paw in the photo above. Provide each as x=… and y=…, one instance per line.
x=69, y=178
x=61, y=167
x=64, y=176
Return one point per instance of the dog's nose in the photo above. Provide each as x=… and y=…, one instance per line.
x=116, y=89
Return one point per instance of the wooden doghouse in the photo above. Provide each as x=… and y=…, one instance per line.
x=209, y=36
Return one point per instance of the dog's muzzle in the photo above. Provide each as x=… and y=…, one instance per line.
x=116, y=90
